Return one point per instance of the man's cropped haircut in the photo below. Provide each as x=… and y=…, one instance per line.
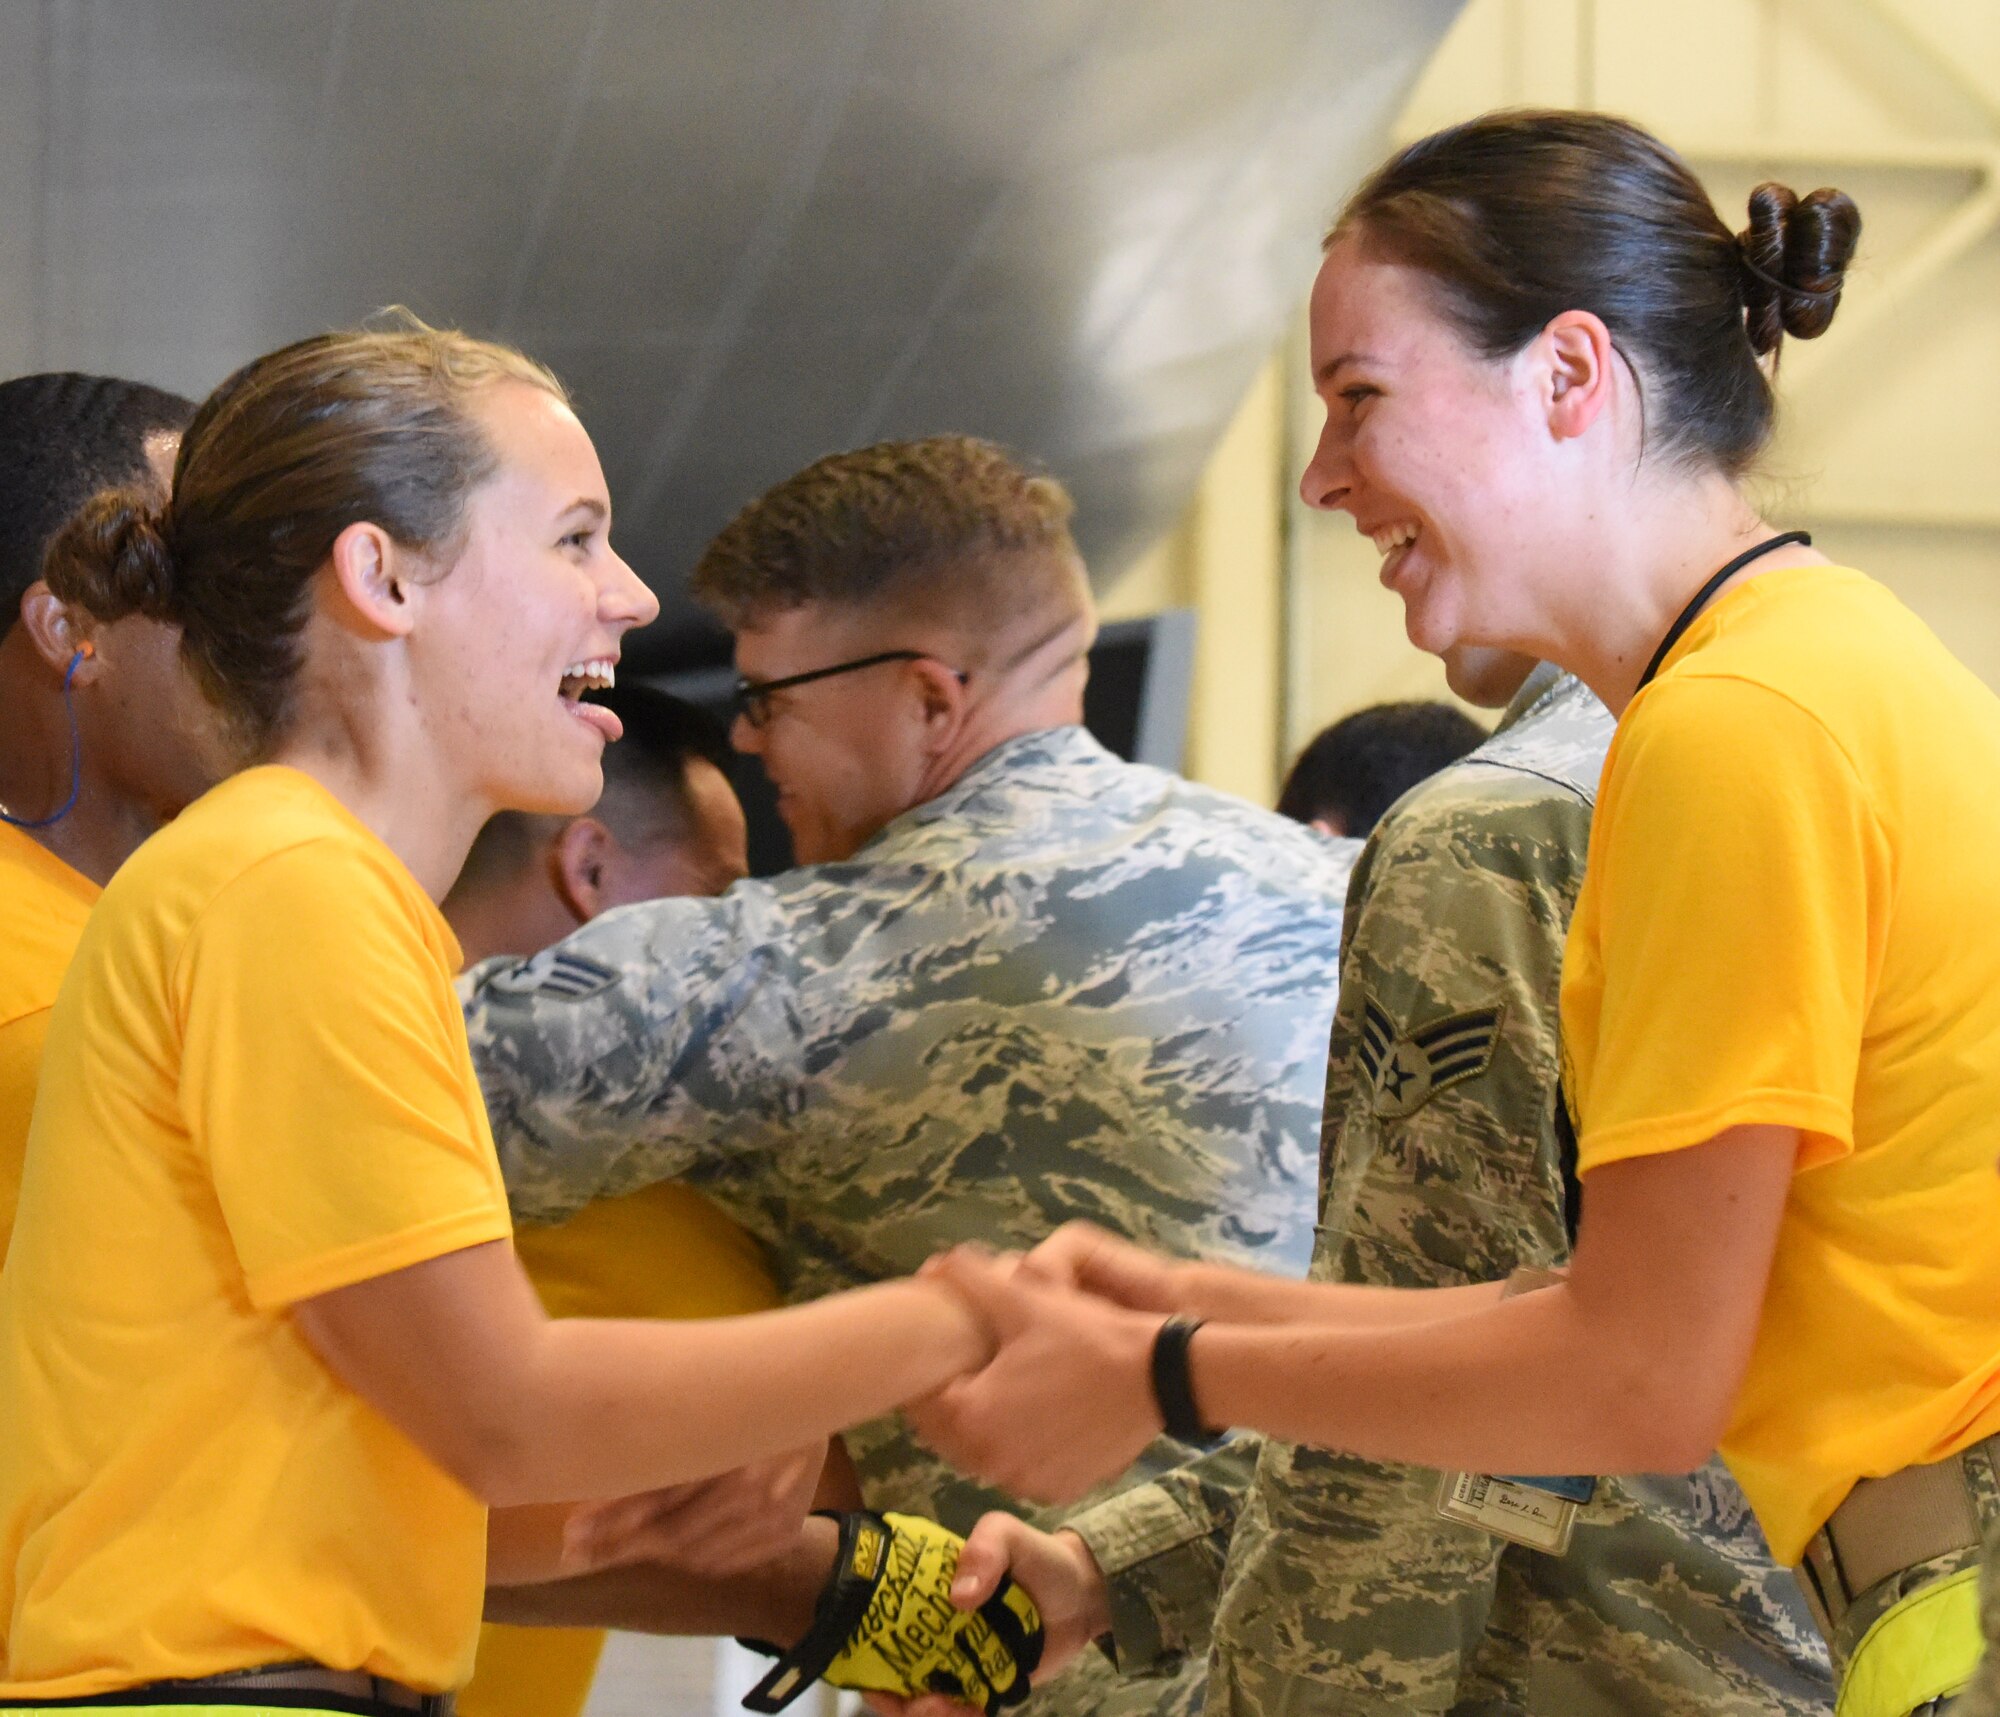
x=1353, y=771
x=950, y=528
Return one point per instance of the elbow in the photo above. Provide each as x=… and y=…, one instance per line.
x=491, y=1459
x=1668, y=1420
x=1684, y=1449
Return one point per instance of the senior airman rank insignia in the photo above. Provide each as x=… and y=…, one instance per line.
x=1406, y=1070
x=564, y=976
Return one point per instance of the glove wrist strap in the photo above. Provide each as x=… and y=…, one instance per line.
x=842, y=1604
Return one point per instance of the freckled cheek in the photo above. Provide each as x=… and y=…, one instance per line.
x=1405, y=466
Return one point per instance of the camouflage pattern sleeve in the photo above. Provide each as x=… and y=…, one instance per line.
x=592, y=1052
x=1438, y=1166
x=1444, y=1034
x=1344, y=1590
x=1161, y=1547
x=1982, y=1698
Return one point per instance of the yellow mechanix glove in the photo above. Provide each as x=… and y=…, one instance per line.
x=885, y=1623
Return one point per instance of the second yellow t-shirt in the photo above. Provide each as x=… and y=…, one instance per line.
x=1791, y=917
x=662, y=1252
x=43, y=906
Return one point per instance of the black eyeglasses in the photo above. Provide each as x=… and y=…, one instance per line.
x=752, y=698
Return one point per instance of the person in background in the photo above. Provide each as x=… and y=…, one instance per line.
x=667, y=824
x=102, y=735
x=1352, y=772
x=1321, y=1583
x=1014, y=980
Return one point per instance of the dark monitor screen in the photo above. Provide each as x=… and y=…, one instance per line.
x=1136, y=704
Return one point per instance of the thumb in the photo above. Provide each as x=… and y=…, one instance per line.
x=986, y=1557
x=987, y=1285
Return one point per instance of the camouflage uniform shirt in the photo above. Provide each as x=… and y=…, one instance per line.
x=1982, y=1698
x=1067, y=987
x=1343, y=1591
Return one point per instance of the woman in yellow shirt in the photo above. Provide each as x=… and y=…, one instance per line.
x=101, y=737
x=265, y=1351
x=1545, y=363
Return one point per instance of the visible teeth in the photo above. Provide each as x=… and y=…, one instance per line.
x=1392, y=537
x=598, y=674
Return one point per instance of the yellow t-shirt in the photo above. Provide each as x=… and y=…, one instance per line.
x=255, y=1089
x=43, y=905
x=1791, y=917
x=663, y=1252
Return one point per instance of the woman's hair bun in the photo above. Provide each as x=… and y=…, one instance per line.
x=113, y=558
x=1795, y=253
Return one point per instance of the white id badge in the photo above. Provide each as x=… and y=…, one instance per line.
x=1537, y=1512
x=1516, y=1509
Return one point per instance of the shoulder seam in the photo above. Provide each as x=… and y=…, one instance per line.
x=1582, y=796
x=1721, y=676
x=251, y=869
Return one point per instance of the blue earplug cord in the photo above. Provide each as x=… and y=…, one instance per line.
x=75, y=756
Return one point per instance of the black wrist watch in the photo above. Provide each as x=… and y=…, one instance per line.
x=1173, y=1385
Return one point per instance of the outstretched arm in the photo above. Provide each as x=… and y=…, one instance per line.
x=1630, y=1365
x=774, y=1602
x=523, y=1408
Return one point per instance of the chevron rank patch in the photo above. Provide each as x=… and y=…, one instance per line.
x=565, y=977
x=1406, y=1070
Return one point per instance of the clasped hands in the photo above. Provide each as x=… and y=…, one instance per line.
x=1064, y=1403
x=1066, y=1400
x=1063, y=1400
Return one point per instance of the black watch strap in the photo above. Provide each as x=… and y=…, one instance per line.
x=1173, y=1384
x=843, y=1602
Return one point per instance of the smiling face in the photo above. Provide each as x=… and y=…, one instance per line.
x=847, y=754
x=1444, y=459
x=530, y=612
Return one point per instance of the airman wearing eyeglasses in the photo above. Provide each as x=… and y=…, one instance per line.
x=1015, y=979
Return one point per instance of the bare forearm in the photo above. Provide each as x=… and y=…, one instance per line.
x=1226, y=1295
x=458, y=1352
x=525, y=1544
x=1631, y=1364
x=773, y=1603
x=1529, y=1385
x=607, y=1408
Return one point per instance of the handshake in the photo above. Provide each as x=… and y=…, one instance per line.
x=1069, y=1396
x=929, y=1625
x=1064, y=1347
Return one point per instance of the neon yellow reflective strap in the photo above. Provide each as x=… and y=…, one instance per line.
x=1923, y=1648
